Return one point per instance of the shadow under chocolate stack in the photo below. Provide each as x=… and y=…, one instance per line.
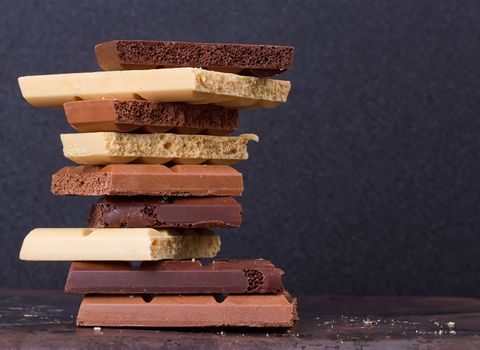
x=153, y=141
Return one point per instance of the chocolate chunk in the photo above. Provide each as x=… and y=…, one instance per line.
x=118, y=244
x=148, y=179
x=255, y=60
x=187, y=84
x=177, y=277
x=188, y=311
x=165, y=212
x=150, y=117
x=97, y=148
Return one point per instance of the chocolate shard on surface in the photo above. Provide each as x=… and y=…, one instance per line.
x=148, y=179
x=150, y=117
x=158, y=212
x=255, y=276
x=188, y=311
x=255, y=60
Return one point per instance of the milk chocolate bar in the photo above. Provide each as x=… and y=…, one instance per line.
x=256, y=60
x=159, y=212
x=191, y=85
x=122, y=244
x=188, y=311
x=149, y=180
x=150, y=117
x=175, y=277
x=98, y=148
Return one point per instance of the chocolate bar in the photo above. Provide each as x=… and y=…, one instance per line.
x=148, y=179
x=191, y=85
x=150, y=117
x=158, y=212
x=256, y=60
x=98, y=148
x=121, y=244
x=175, y=277
x=188, y=311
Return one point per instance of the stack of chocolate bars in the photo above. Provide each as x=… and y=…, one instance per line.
x=152, y=141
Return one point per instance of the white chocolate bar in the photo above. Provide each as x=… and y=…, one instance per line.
x=122, y=244
x=191, y=85
x=111, y=147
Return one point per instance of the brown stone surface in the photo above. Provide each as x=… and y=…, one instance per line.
x=255, y=276
x=255, y=60
x=150, y=117
x=46, y=319
x=148, y=179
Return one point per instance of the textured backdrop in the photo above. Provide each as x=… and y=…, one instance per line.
x=365, y=182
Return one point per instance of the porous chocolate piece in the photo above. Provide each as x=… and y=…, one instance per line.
x=157, y=212
x=118, y=244
x=255, y=276
x=187, y=84
x=148, y=180
x=150, y=117
x=188, y=311
x=102, y=148
x=255, y=60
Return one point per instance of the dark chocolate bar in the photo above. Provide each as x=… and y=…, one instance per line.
x=255, y=60
x=160, y=212
x=175, y=277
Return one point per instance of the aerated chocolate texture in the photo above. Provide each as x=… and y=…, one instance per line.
x=255, y=60
x=175, y=277
x=150, y=117
x=148, y=179
x=188, y=84
x=124, y=244
x=165, y=212
x=97, y=148
x=158, y=104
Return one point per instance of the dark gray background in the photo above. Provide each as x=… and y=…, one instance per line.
x=365, y=182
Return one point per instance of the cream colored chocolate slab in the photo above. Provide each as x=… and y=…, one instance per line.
x=110, y=147
x=188, y=311
x=122, y=244
x=191, y=85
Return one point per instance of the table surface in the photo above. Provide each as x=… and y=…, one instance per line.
x=45, y=319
